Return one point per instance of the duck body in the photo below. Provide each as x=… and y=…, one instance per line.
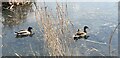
x=24, y=32
x=81, y=34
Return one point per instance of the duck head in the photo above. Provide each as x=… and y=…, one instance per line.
x=85, y=27
x=29, y=29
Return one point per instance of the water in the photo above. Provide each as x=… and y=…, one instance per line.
x=101, y=17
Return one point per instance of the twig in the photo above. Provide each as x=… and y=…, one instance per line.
x=110, y=39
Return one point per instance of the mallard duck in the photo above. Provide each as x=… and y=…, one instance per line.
x=24, y=32
x=81, y=34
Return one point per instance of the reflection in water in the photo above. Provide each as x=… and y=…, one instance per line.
x=16, y=15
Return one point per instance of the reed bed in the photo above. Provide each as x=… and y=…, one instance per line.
x=54, y=28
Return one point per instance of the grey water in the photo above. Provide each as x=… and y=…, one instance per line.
x=101, y=17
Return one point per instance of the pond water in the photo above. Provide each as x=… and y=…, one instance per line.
x=101, y=17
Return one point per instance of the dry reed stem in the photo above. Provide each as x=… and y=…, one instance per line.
x=110, y=39
x=50, y=35
x=53, y=28
x=19, y=1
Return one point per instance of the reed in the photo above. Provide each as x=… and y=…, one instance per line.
x=19, y=1
x=54, y=28
x=110, y=39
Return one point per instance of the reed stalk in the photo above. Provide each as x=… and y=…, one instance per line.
x=53, y=28
x=110, y=39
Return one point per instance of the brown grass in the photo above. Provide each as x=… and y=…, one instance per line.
x=20, y=1
x=54, y=28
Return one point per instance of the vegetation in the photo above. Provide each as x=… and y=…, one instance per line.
x=15, y=13
x=56, y=28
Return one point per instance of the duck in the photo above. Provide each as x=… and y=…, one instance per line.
x=81, y=34
x=24, y=32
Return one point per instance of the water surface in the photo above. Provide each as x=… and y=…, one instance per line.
x=101, y=17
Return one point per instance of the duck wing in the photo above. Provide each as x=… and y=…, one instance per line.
x=23, y=32
x=79, y=33
x=82, y=34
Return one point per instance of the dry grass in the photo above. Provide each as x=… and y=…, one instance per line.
x=53, y=28
x=15, y=3
x=18, y=1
